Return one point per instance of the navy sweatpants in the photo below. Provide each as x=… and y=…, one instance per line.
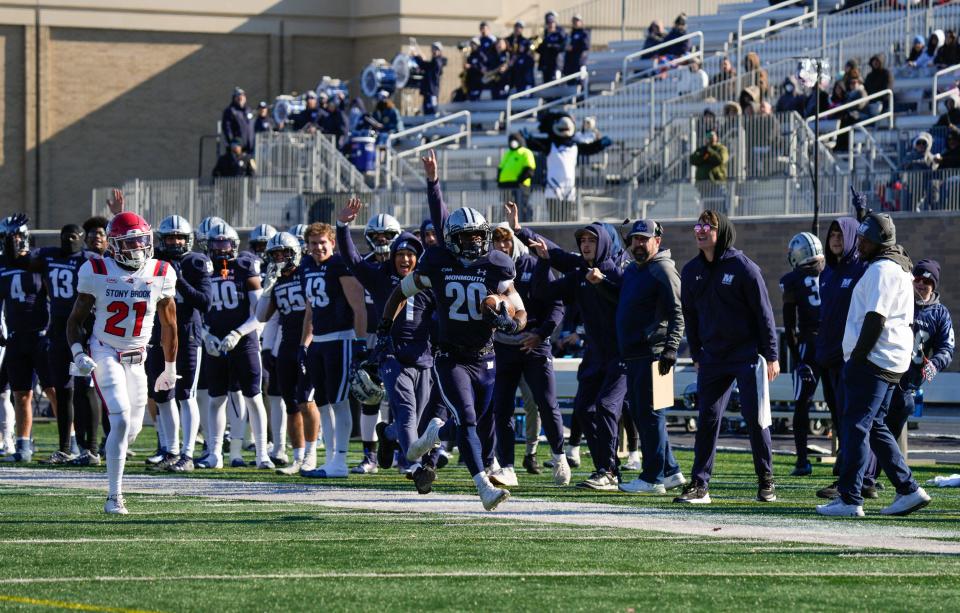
x=536, y=367
x=465, y=386
x=598, y=405
x=864, y=428
x=714, y=385
x=833, y=382
x=658, y=460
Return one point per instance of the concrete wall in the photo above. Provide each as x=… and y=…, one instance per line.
x=765, y=242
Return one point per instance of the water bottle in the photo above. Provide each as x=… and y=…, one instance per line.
x=918, y=402
x=521, y=429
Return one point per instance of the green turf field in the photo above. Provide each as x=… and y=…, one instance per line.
x=180, y=554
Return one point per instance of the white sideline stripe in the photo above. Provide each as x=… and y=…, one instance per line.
x=811, y=529
x=470, y=574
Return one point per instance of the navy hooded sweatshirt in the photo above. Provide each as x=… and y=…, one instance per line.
x=649, y=317
x=599, y=314
x=837, y=281
x=726, y=308
x=411, y=329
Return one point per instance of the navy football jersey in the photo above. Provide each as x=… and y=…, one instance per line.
x=803, y=288
x=459, y=290
x=24, y=298
x=373, y=313
x=321, y=286
x=193, y=291
x=229, y=302
x=60, y=278
x=288, y=298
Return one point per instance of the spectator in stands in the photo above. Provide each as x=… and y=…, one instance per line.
x=516, y=173
x=921, y=157
x=929, y=55
x=498, y=78
x=262, y=123
x=731, y=109
x=950, y=158
x=432, y=71
x=655, y=34
x=791, y=99
x=476, y=67
x=749, y=96
x=516, y=38
x=310, y=118
x=337, y=123
x=553, y=43
x=755, y=75
x=819, y=93
x=856, y=91
x=386, y=118
x=521, y=70
x=693, y=79
x=487, y=44
x=235, y=162
x=878, y=80
x=728, y=77
x=708, y=121
x=577, y=46
x=710, y=160
x=949, y=53
x=357, y=114
x=952, y=116
x=237, y=121
x=916, y=50
x=679, y=30
x=837, y=96
x=852, y=67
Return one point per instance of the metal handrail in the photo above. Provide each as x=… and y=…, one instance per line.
x=937, y=96
x=581, y=76
x=770, y=28
x=390, y=154
x=888, y=114
x=669, y=64
x=664, y=45
x=875, y=148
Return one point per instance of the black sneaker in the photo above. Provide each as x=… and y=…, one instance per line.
x=423, y=479
x=386, y=448
x=830, y=492
x=766, y=490
x=167, y=461
x=869, y=491
x=802, y=469
x=531, y=464
x=442, y=459
x=694, y=493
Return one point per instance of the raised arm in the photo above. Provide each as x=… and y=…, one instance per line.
x=438, y=208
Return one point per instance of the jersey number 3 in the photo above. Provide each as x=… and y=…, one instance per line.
x=120, y=312
x=814, y=285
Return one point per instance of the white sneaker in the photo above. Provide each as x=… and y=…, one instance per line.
x=634, y=461
x=115, y=505
x=293, y=468
x=333, y=470
x=427, y=441
x=308, y=463
x=561, y=470
x=673, y=481
x=490, y=496
x=506, y=477
x=905, y=505
x=639, y=486
x=573, y=456
x=838, y=508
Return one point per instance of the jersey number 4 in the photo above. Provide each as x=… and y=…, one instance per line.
x=470, y=295
x=121, y=310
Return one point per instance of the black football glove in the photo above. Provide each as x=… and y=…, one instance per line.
x=667, y=359
x=501, y=320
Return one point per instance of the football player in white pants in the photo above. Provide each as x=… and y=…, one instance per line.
x=125, y=291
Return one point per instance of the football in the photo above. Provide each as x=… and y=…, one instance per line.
x=492, y=303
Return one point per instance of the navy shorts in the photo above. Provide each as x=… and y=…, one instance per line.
x=59, y=356
x=26, y=359
x=239, y=370
x=270, y=371
x=4, y=380
x=295, y=386
x=328, y=364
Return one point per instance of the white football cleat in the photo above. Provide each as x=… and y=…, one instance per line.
x=639, y=486
x=561, y=470
x=673, y=481
x=115, y=506
x=427, y=441
x=506, y=477
x=905, y=505
x=838, y=508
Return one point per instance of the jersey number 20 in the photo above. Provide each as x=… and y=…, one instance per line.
x=472, y=295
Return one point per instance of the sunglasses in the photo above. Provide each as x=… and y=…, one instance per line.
x=703, y=227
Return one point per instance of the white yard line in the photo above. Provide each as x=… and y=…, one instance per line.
x=861, y=534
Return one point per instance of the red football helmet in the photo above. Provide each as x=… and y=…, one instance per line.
x=130, y=239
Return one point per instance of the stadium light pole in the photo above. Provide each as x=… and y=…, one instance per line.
x=810, y=73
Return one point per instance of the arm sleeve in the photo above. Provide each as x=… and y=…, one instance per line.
x=689, y=310
x=593, y=147
x=438, y=208
x=252, y=322
x=943, y=346
x=869, y=335
x=669, y=290
x=554, y=316
x=558, y=289
x=759, y=302
x=354, y=262
x=196, y=293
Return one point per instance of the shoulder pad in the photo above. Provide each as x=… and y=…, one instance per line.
x=196, y=261
x=248, y=262
x=503, y=263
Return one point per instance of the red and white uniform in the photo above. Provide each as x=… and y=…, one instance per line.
x=125, y=307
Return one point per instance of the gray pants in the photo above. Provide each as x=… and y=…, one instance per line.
x=408, y=391
x=532, y=422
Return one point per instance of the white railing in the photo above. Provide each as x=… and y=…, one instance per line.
x=581, y=78
x=887, y=114
x=651, y=52
x=935, y=94
x=769, y=29
x=460, y=118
